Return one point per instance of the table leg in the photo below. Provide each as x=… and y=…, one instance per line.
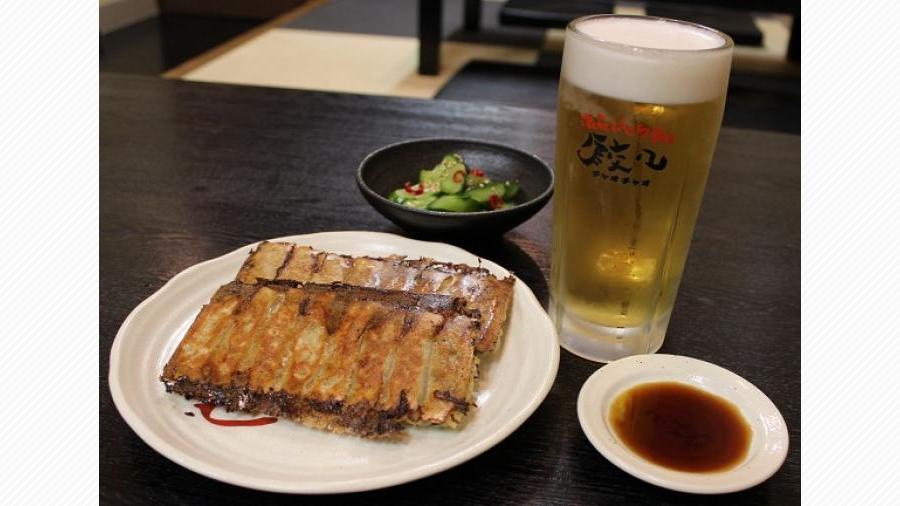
x=793, y=53
x=430, y=36
x=473, y=15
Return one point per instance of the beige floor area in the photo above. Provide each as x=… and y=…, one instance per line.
x=386, y=65
x=346, y=62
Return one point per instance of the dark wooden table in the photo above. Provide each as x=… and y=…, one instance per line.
x=191, y=171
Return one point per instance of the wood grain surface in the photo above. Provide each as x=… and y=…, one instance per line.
x=190, y=171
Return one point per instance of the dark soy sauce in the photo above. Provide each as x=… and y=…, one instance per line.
x=680, y=427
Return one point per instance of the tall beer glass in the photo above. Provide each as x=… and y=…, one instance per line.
x=640, y=106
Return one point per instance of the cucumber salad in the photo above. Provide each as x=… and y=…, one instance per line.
x=451, y=186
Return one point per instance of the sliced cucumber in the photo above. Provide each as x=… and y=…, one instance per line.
x=512, y=189
x=472, y=180
x=401, y=196
x=447, y=166
x=427, y=176
x=429, y=180
x=453, y=161
x=454, y=182
x=422, y=201
x=452, y=172
x=483, y=194
x=450, y=186
x=431, y=187
x=454, y=203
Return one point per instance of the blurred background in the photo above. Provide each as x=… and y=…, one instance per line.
x=505, y=52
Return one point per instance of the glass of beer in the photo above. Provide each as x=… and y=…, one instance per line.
x=640, y=106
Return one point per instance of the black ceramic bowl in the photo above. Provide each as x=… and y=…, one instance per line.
x=386, y=169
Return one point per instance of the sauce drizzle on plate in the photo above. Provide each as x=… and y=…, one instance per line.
x=206, y=411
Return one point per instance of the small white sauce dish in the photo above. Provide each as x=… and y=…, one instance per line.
x=768, y=445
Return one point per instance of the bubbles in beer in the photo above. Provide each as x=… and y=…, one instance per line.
x=647, y=60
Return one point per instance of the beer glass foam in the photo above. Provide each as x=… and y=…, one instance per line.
x=648, y=60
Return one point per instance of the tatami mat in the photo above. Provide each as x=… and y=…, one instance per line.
x=346, y=62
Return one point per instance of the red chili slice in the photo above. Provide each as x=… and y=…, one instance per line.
x=477, y=172
x=459, y=176
x=414, y=189
x=495, y=202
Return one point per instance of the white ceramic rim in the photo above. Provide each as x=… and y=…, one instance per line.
x=363, y=484
x=770, y=443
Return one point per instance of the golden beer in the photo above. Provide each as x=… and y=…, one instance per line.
x=631, y=165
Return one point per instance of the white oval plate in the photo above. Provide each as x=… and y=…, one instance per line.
x=768, y=448
x=287, y=457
